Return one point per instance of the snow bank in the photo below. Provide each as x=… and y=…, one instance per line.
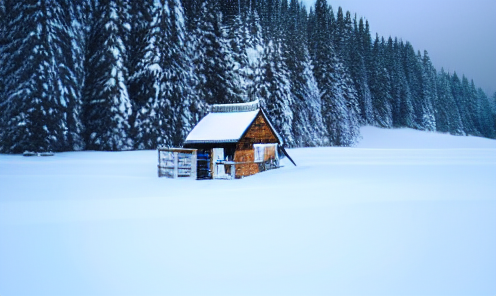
x=402, y=213
x=373, y=137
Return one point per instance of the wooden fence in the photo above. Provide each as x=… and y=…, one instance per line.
x=177, y=162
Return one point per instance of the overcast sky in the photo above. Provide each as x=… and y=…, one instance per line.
x=459, y=35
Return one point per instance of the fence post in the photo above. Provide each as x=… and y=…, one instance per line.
x=193, y=165
x=233, y=171
x=176, y=165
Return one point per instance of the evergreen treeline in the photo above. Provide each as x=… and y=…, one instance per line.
x=120, y=75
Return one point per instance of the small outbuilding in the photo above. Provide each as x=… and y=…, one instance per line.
x=234, y=141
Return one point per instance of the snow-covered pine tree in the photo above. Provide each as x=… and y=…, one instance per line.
x=413, y=74
x=179, y=86
x=141, y=24
x=475, y=106
x=332, y=25
x=255, y=49
x=212, y=61
x=359, y=53
x=339, y=32
x=272, y=88
x=267, y=10
x=429, y=93
x=343, y=38
x=3, y=56
x=400, y=106
x=254, y=30
x=402, y=94
x=292, y=32
x=447, y=114
x=380, y=84
x=107, y=104
x=32, y=110
x=441, y=112
x=339, y=98
x=308, y=126
x=457, y=112
x=239, y=43
x=68, y=22
x=152, y=125
x=194, y=106
x=485, y=120
x=468, y=108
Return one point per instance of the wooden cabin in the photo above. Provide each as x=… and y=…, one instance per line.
x=234, y=141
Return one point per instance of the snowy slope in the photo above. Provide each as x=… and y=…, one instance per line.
x=403, y=213
x=413, y=139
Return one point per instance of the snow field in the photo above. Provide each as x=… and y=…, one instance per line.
x=403, y=213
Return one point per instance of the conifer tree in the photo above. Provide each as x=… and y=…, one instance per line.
x=413, y=74
x=485, y=120
x=405, y=115
x=255, y=38
x=457, y=112
x=4, y=60
x=359, y=52
x=308, y=127
x=152, y=125
x=142, y=24
x=179, y=87
x=339, y=99
x=429, y=93
x=468, y=109
x=212, y=59
x=108, y=107
x=304, y=89
x=441, y=103
x=272, y=88
x=34, y=100
x=447, y=116
x=381, y=87
x=239, y=44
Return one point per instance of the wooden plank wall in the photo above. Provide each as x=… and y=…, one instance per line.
x=258, y=133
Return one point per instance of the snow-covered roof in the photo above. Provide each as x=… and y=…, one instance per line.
x=221, y=127
x=226, y=124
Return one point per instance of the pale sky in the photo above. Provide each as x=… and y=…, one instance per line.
x=459, y=35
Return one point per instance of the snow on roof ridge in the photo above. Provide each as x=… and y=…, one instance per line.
x=240, y=107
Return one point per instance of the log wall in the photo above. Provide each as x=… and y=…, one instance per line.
x=258, y=133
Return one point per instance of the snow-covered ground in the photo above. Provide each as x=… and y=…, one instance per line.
x=403, y=213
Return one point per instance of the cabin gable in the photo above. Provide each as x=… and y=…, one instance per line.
x=259, y=132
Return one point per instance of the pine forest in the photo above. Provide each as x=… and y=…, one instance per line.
x=117, y=75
